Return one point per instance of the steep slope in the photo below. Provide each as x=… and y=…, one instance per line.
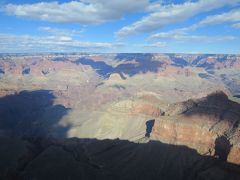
x=205, y=124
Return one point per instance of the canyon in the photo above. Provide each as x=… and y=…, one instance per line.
x=122, y=116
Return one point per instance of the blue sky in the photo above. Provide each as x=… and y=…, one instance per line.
x=173, y=26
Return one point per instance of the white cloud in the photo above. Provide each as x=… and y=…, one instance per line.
x=25, y=43
x=62, y=32
x=154, y=45
x=232, y=16
x=83, y=12
x=228, y=17
x=237, y=25
x=182, y=36
x=162, y=15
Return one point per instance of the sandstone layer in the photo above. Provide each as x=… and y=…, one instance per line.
x=207, y=124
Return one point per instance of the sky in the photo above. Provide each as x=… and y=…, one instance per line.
x=115, y=26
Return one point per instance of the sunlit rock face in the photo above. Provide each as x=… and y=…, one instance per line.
x=158, y=112
x=204, y=124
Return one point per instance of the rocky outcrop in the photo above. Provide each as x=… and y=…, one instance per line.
x=147, y=109
x=204, y=124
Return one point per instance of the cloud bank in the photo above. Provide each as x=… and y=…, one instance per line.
x=84, y=12
x=173, y=13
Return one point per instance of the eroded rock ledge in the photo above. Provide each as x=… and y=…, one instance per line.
x=210, y=125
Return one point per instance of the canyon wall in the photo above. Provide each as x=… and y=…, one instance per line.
x=210, y=125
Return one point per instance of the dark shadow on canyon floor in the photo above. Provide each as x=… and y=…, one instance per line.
x=106, y=160
x=28, y=152
x=222, y=148
x=149, y=127
x=31, y=114
x=137, y=63
x=100, y=67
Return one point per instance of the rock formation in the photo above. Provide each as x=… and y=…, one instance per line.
x=166, y=116
x=203, y=124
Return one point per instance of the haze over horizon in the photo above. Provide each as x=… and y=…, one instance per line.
x=148, y=26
